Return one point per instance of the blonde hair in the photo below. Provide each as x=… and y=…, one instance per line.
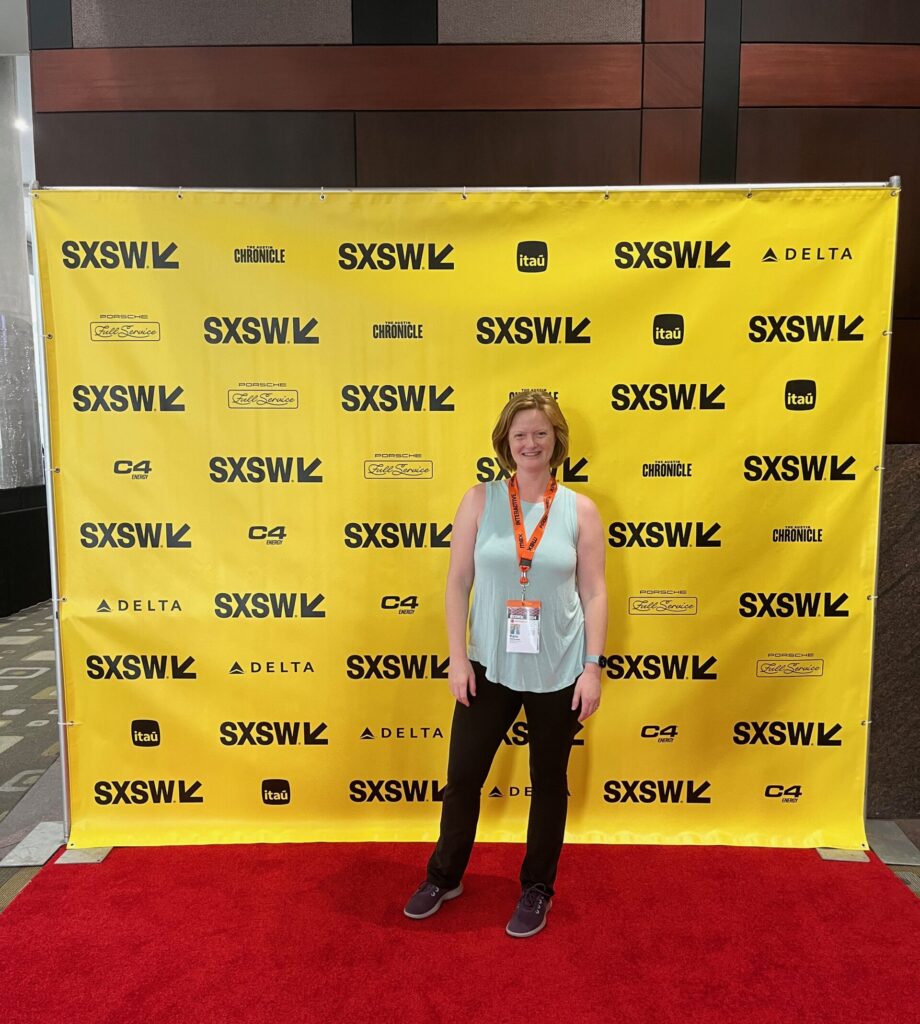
x=521, y=402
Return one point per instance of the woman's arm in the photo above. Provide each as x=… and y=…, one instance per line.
x=457, y=594
x=592, y=588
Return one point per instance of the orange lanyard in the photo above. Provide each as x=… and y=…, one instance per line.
x=527, y=548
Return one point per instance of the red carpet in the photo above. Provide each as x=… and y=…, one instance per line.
x=190, y=935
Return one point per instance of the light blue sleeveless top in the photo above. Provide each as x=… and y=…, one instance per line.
x=552, y=581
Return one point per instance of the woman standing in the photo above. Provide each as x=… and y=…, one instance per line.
x=537, y=628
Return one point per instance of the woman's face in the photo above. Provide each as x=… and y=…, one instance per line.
x=531, y=439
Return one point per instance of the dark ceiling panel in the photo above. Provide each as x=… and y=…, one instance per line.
x=812, y=75
x=843, y=21
x=498, y=148
x=49, y=25
x=671, y=147
x=674, y=21
x=205, y=149
x=903, y=409
x=394, y=21
x=550, y=77
x=831, y=144
x=673, y=75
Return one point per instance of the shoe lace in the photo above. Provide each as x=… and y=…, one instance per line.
x=429, y=888
x=533, y=899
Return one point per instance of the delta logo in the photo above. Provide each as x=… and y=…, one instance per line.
x=395, y=256
x=793, y=604
x=260, y=330
x=396, y=398
x=532, y=257
x=268, y=606
x=109, y=792
x=127, y=398
x=397, y=535
x=572, y=471
x=798, y=327
x=668, y=534
x=664, y=255
x=396, y=666
x=112, y=254
x=660, y=666
x=792, y=734
x=807, y=253
x=265, y=469
x=790, y=468
x=403, y=732
x=288, y=667
x=140, y=666
x=656, y=791
x=134, y=535
x=266, y=734
x=660, y=396
x=391, y=791
x=537, y=330
x=139, y=604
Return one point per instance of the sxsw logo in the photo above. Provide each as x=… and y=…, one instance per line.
x=659, y=666
x=127, y=398
x=260, y=330
x=396, y=398
x=260, y=469
x=145, y=732
x=140, y=666
x=276, y=791
x=664, y=534
x=134, y=535
x=650, y=791
x=396, y=666
x=268, y=606
x=683, y=255
x=147, y=791
x=519, y=736
x=573, y=470
x=660, y=396
x=801, y=395
x=793, y=734
x=532, y=257
x=792, y=604
x=788, y=468
x=392, y=791
x=541, y=330
x=264, y=734
x=668, y=329
x=110, y=255
x=797, y=327
x=395, y=256
x=397, y=535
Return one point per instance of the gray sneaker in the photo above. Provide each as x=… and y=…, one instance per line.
x=427, y=900
x=530, y=914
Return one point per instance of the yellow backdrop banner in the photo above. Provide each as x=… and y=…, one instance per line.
x=265, y=408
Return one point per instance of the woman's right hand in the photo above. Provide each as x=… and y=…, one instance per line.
x=462, y=680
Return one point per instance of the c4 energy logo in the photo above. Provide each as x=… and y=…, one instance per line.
x=660, y=396
x=664, y=535
x=391, y=791
x=785, y=794
x=793, y=734
x=136, y=470
x=264, y=469
x=797, y=327
x=145, y=732
x=113, y=255
x=537, y=330
x=395, y=256
x=662, y=255
x=792, y=604
x=127, y=398
x=532, y=257
x=660, y=666
x=801, y=395
x=261, y=330
x=788, y=468
x=401, y=605
x=140, y=666
x=265, y=734
x=397, y=535
x=268, y=606
x=661, y=733
x=134, y=535
x=276, y=791
x=668, y=329
x=269, y=535
x=396, y=666
x=396, y=398
x=147, y=791
x=656, y=791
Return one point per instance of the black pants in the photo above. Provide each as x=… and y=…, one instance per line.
x=475, y=735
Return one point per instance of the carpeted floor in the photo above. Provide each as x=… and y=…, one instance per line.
x=310, y=933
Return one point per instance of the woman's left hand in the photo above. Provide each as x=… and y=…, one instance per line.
x=587, y=692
